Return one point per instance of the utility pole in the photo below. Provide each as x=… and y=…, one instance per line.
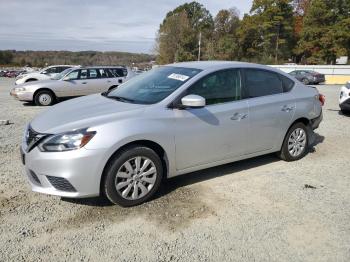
x=199, y=46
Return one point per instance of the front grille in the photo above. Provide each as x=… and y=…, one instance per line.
x=34, y=177
x=33, y=138
x=61, y=184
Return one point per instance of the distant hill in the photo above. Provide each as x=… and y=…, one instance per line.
x=43, y=58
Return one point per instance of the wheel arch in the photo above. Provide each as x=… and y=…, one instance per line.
x=31, y=79
x=157, y=148
x=44, y=89
x=303, y=120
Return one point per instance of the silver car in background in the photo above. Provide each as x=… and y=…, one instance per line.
x=70, y=83
x=169, y=121
x=44, y=74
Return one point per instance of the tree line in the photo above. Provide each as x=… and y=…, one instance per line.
x=273, y=32
x=43, y=58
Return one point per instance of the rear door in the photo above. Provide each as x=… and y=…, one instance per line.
x=219, y=130
x=119, y=74
x=271, y=108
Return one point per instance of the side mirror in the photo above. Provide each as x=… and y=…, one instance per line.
x=193, y=101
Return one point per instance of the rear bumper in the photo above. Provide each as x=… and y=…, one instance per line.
x=345, y=105
x=315, y=123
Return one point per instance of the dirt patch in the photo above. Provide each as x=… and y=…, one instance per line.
x=172, y=211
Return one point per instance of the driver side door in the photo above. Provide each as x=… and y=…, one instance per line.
x=218, y=131
x=74, y=84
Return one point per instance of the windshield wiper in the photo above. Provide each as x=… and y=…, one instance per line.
x=121, y=99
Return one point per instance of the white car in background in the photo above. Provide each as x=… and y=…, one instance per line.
x=44, y=74
x=344, y=99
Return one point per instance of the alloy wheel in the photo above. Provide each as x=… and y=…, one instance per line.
x=297, y=142
x=135, y=178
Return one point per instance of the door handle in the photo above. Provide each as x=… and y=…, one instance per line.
x=84, y=83
x=238, y=116
x=108, y=81
x=287, y=108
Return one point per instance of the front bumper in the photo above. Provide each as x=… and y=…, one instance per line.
x=75, y=173
x=22, y=96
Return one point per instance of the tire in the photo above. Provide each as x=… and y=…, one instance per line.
x=305, y=81
x=44, y=98
x=117, y=174
x=299, y=146
x=345, y=112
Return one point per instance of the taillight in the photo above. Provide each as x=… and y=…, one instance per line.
x=322, y=99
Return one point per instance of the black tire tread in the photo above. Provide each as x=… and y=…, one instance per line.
x=114, y=164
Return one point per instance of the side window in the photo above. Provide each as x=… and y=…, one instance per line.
x=219, y=87
x=72, y=75
x=262, y=83
x=108, y=72
x=83, y=74
x=287, y=83
x=118, y=72
x=104, y=73
x=61, y=69
x=93, y=73
x=50, y=70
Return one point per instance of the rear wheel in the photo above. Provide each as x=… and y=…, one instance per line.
x=44, y=98
x=295, y=143
x=133, y=176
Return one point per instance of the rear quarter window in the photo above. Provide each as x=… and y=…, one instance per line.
x=287, y=83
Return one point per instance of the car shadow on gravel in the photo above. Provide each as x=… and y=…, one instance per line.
x=318, y=139
x=175, y=206
x=172, y=184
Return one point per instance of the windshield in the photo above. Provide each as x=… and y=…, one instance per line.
x=61, y=75
x=153, y=86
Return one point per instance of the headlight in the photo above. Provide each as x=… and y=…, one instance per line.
x=347, y=85
x=20, y=89
x=67, y=141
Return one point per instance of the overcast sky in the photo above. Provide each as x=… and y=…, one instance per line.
x=109, y=25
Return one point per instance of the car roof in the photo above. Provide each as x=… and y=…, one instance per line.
x=212, y=65
x=97, y=67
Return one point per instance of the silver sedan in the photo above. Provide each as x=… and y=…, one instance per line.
x=167, y=122
x=70, y=83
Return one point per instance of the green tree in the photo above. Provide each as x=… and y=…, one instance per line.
x=224, y=41
x=177, y=38
x=326, y=32
x=6, y=57
x=266, y=34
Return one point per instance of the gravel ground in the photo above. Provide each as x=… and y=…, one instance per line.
x=252, y=210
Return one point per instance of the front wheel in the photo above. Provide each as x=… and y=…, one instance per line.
x=295, y=143
x=133, y=176
x=44, y=98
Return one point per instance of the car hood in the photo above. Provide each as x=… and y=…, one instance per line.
x=83, y=112
x=39, y=83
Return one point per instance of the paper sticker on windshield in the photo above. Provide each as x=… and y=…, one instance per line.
x=178, y=77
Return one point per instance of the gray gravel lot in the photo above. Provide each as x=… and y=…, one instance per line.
x=252, y=210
